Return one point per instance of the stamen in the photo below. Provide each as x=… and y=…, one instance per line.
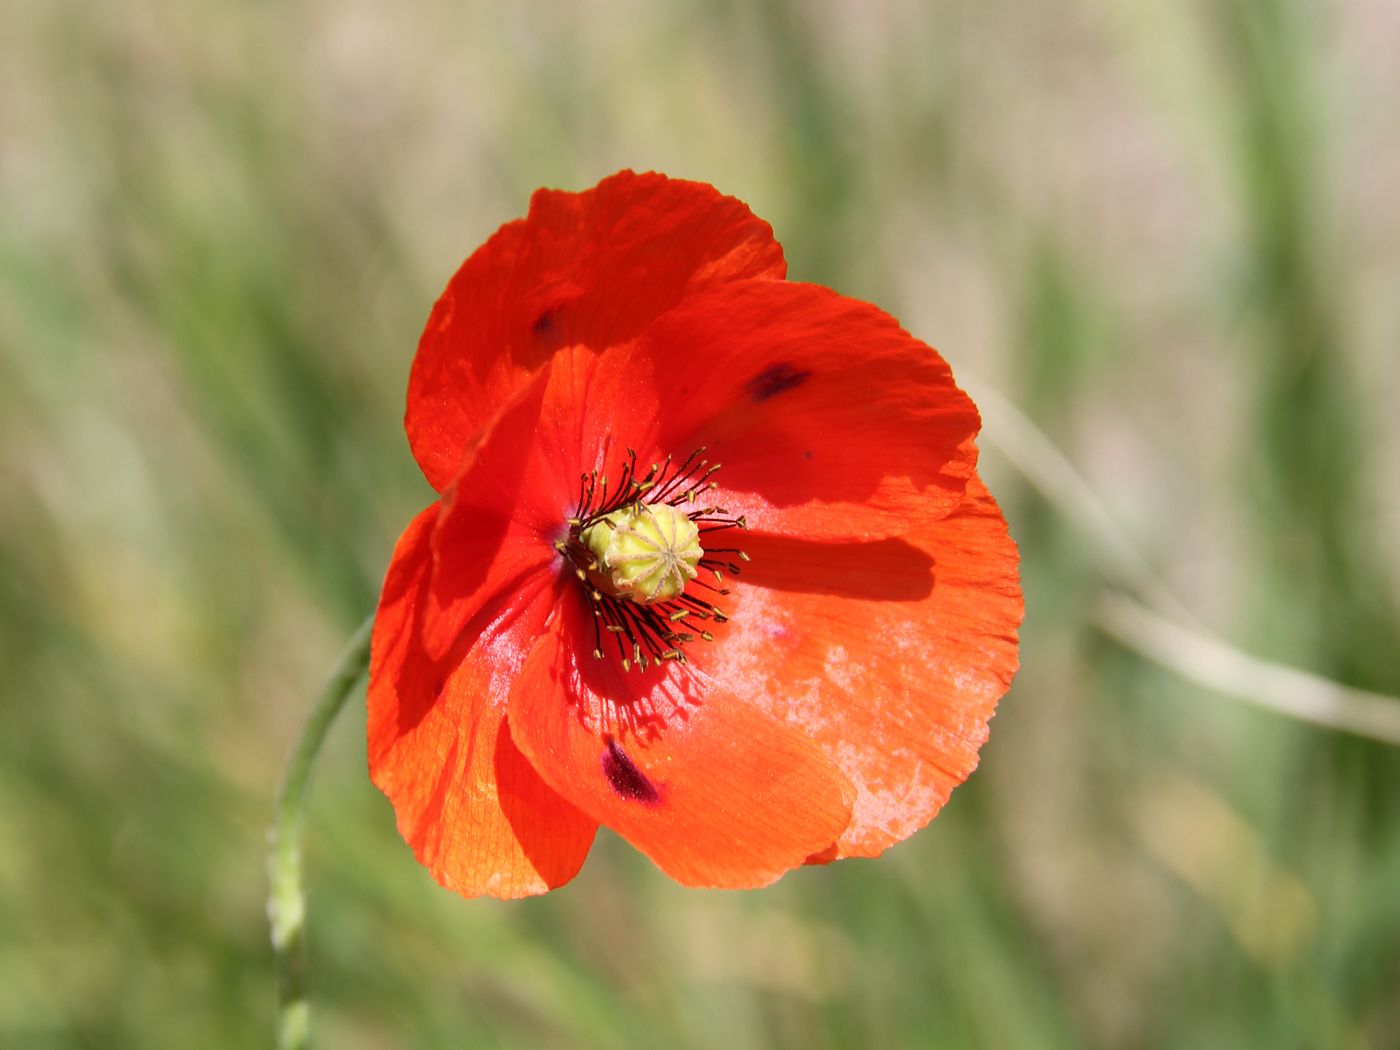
x=637, y=556
x=582, y=487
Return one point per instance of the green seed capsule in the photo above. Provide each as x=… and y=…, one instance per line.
x=647, y=553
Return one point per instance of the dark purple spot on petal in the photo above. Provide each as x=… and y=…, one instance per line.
x=626, y=779
x=774, y=379
x=544, y=323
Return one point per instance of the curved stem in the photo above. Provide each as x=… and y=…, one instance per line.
x=286, y=902
x=1176, y=641
x=1026, y=447
x=1200, y=658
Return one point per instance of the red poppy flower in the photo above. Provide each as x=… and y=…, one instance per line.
x=711, y=563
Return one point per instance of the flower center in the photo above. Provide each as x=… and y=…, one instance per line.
x=638, y=550
x=649, y=553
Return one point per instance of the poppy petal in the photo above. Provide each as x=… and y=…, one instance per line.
x=889, y=654
x=829, y=419
x=476, y=813
x=715, y=791
x=515, y=490
x=491, y=549
x=591, y=268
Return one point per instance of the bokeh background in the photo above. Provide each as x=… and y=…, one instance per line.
x=1168, y=232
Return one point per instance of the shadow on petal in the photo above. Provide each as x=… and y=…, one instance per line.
x=880, y=570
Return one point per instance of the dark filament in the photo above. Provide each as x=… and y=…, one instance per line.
x=648, y=634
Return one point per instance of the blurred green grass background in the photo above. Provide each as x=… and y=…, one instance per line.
x=1169, y=232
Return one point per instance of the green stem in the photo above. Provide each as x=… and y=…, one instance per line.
x=286, y=902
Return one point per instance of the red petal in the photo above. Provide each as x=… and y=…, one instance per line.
x=716, y=792
x=474, y=811
x=493, y=540
x=891, y=655
x=829, y=419
x=593, y=268
x=517, y=488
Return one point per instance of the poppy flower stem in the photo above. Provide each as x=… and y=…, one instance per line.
x=286, y=902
